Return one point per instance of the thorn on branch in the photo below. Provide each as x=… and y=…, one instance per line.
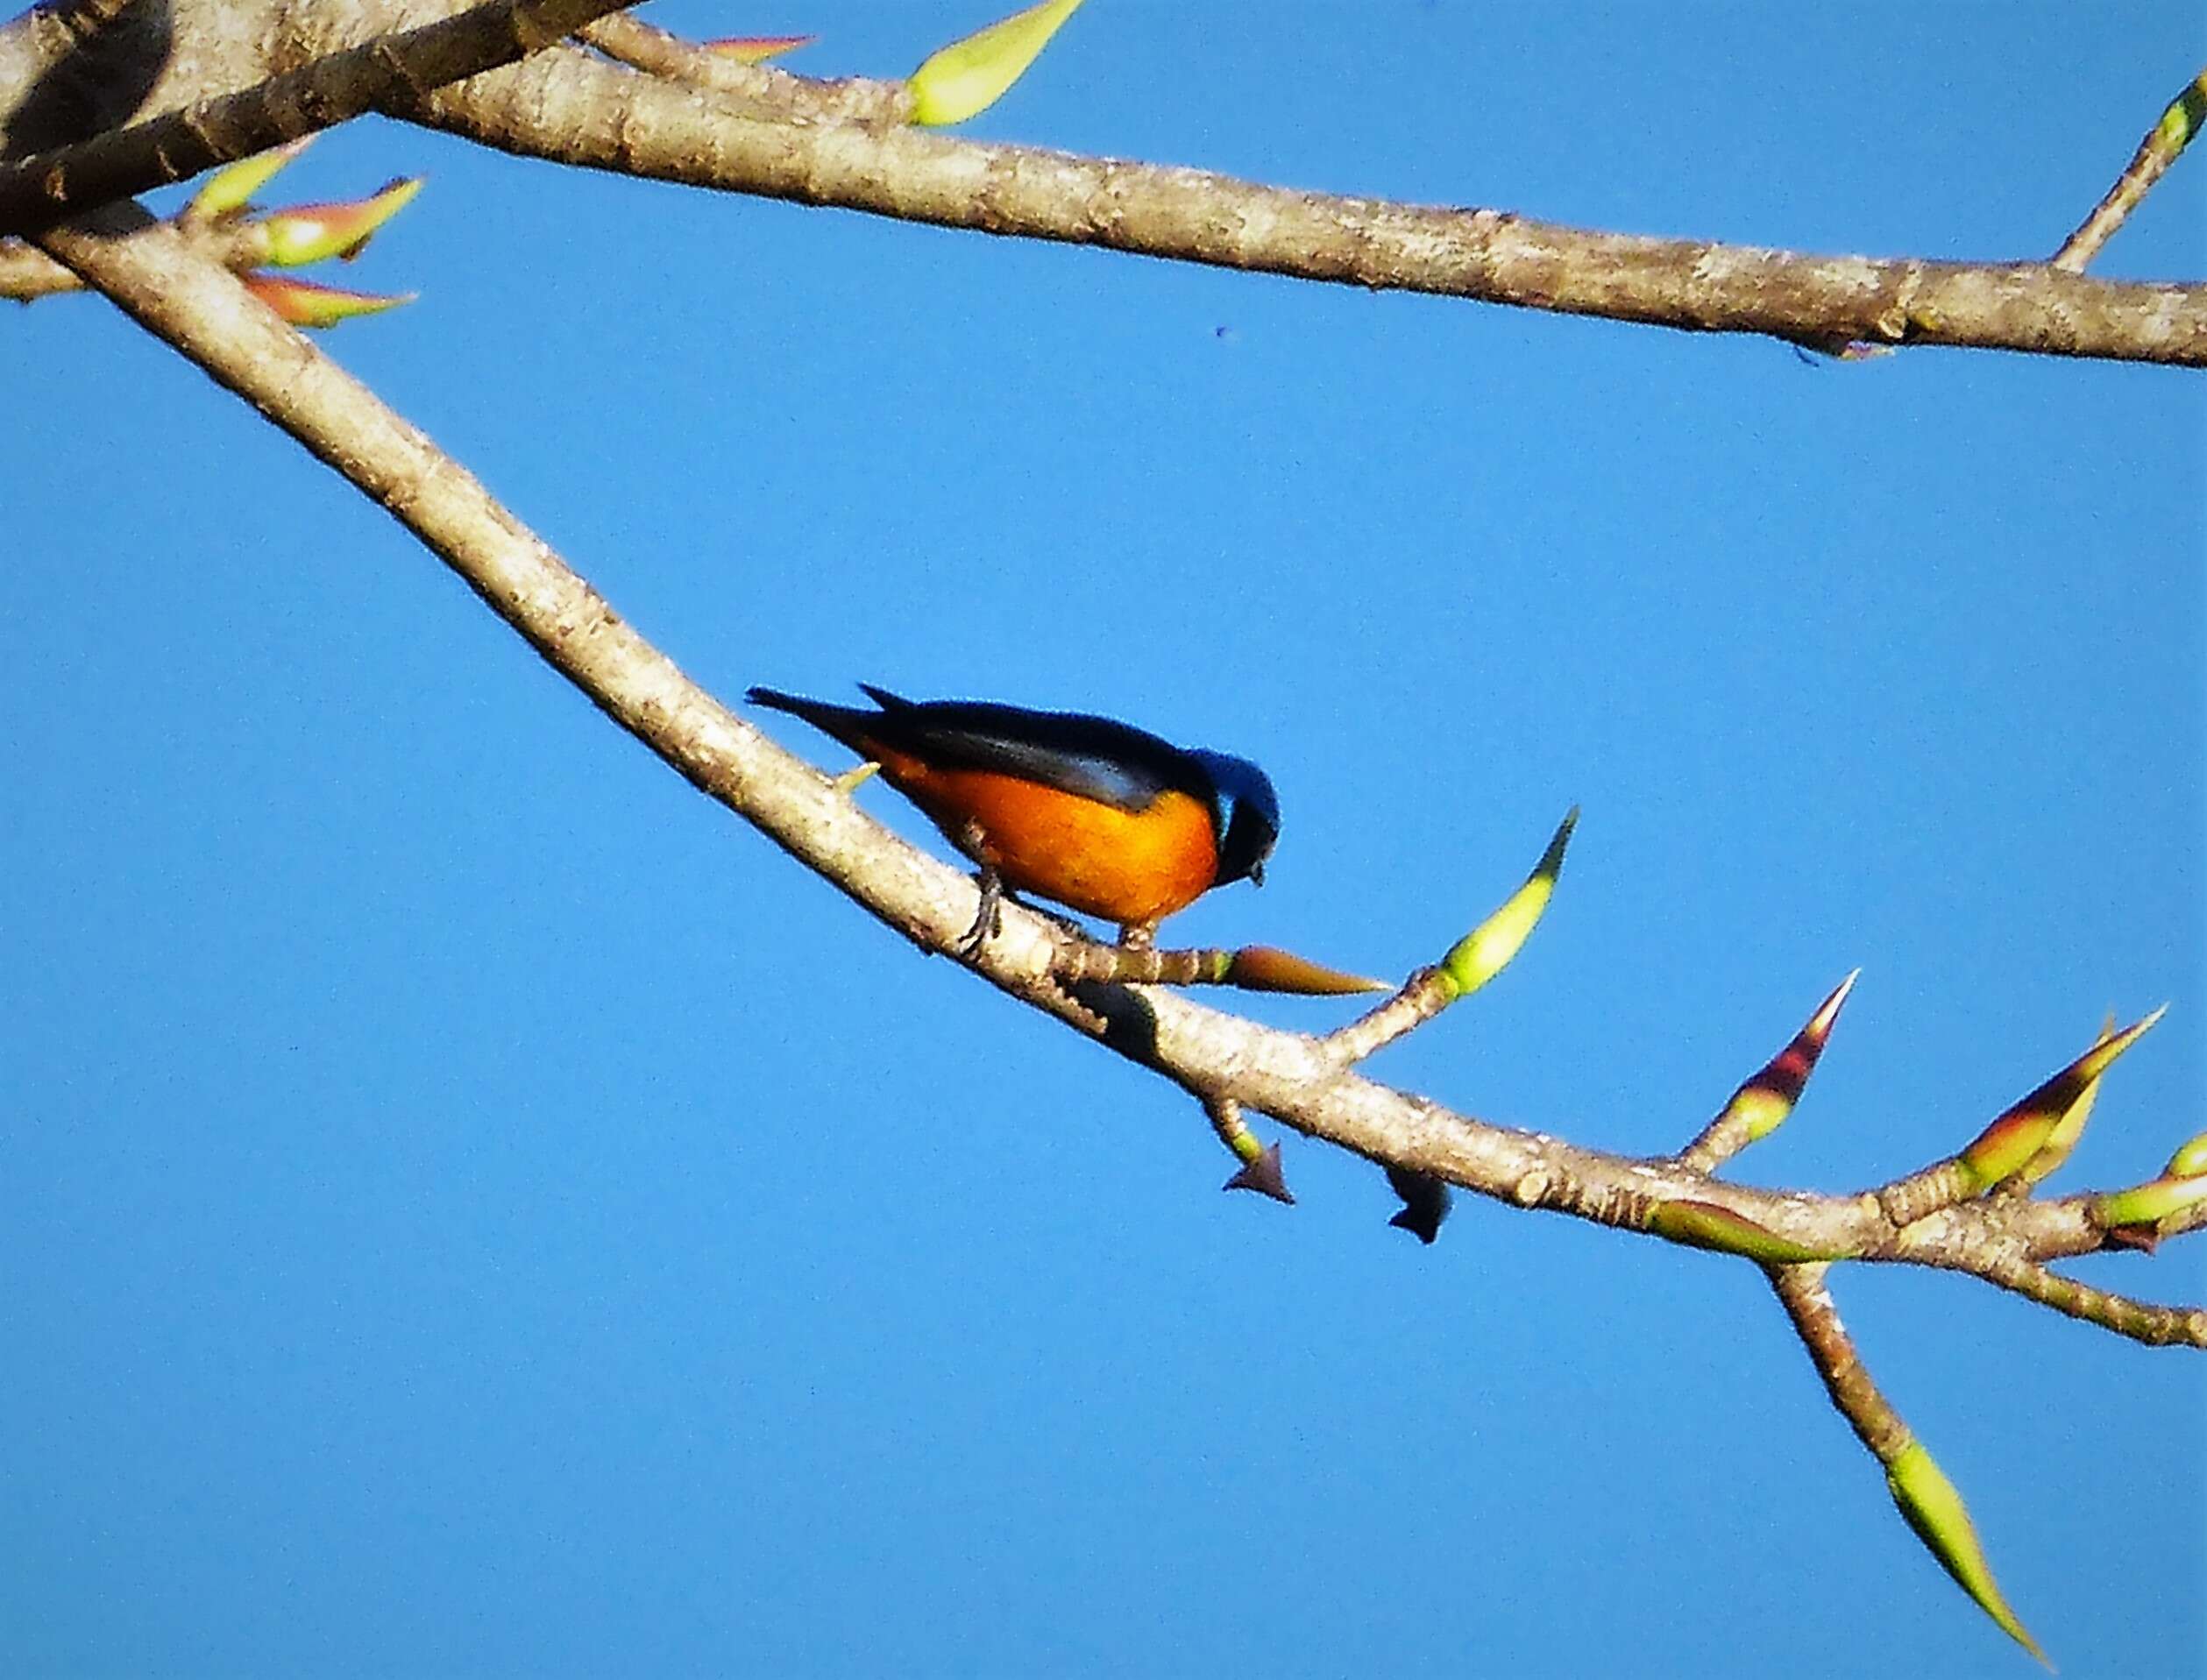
x=1426, y=1203
x=1260, y=1170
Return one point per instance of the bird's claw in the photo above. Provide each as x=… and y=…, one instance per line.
x=988, y=919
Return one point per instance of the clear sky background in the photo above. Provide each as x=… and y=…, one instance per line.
x=469, y=1205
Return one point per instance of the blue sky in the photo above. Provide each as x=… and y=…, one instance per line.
x=467, y=1205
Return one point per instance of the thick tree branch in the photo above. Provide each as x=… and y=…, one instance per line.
x=158, y=278
x=27, y=274
x=568, y=107
x=387, y=72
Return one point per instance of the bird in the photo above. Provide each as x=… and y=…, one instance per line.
x=1086, y=811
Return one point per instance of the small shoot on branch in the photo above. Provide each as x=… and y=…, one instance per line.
x=1703, y=1224
x=1761, y=1105
x=1473, y=960
x=1935, y=1509
x=756, y=49
x=313, y=233
x=967, y=77
x=2015, y=1140
x=305, y=304
x=231, y=189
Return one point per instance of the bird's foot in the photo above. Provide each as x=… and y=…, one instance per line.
x=987, y=918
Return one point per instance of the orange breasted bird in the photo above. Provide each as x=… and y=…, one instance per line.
x=1097, y=815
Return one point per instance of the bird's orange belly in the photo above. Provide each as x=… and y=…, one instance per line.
x=1127, y=866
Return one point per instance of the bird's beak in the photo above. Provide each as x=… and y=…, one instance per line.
x=1257, y=874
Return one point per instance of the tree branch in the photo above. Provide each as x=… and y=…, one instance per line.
x=27, y=274
x=387, y=72
x=565, y=105
x=201, y=310
x=568, y=107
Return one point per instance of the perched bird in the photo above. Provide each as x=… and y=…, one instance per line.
x=1099, y=816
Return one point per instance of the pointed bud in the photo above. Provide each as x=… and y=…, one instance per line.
x=312, y=233
x=2151, y=1203
x=1703, y=1224
x=231, y=188
x=304, y=304
x=2010, y=1141
x=1935, y=1510
x=1488, y=949
x=1765, y=1101
x=969, y=76
x=2189, y=1161
x=2069, y=1128
x=756, y=49
x=1262, y=968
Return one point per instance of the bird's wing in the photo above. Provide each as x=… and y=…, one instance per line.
x=1092, y=758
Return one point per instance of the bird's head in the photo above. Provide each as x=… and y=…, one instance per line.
x=1245, y=813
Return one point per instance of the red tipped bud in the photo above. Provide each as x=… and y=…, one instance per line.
x=304, y=304
x=1262, y=968
x=313, y=233
x=2012, y=1141
x=756, y=49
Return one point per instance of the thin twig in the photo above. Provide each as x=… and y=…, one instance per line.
x=1808, y=1303
x=1084, y=960
x=2159, y=1326
x=1423, y=995
x=2160, y=148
